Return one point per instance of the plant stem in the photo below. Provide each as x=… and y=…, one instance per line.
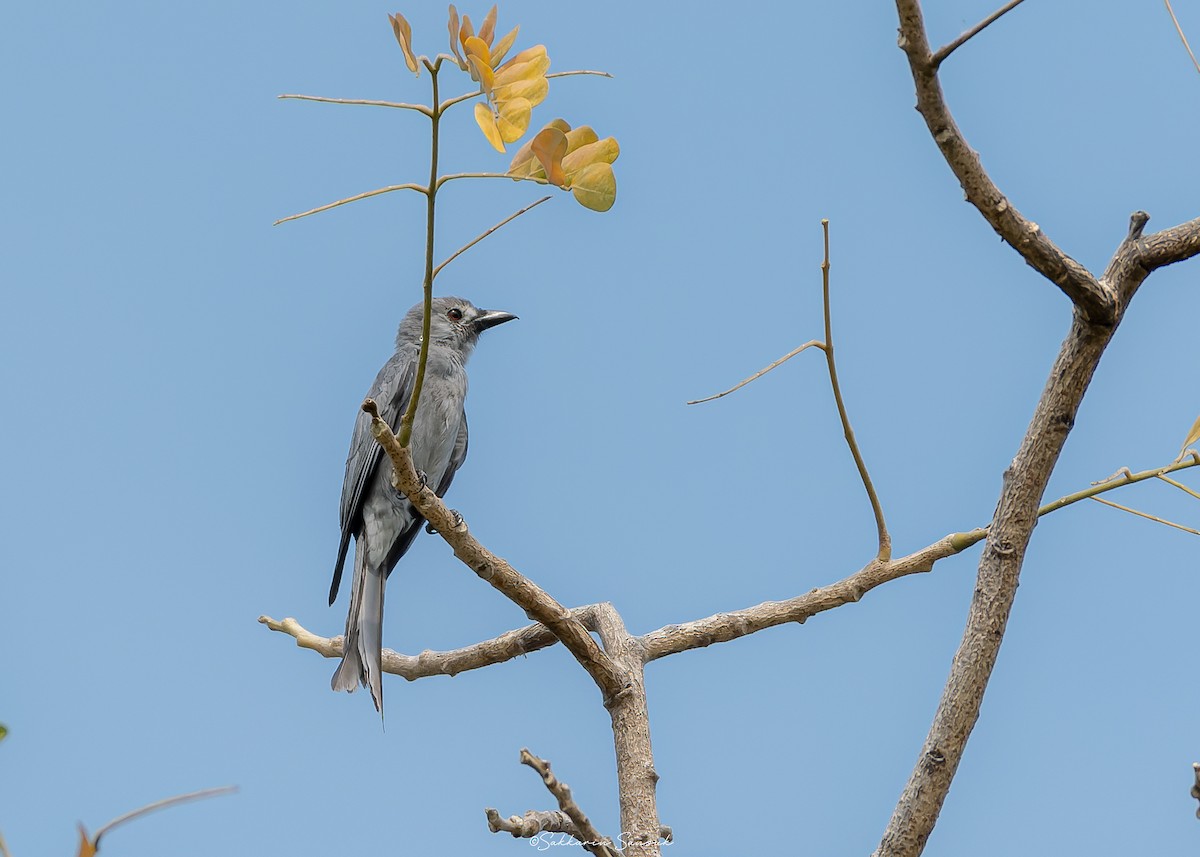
x=435, y=115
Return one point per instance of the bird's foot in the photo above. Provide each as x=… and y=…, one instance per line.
x=458, y=522
x=423, y=479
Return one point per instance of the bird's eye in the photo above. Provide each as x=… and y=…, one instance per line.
x=454, y=314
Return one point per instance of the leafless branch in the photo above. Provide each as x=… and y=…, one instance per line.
x=532, y=823
x=885, y=541
x=1149, y=517
x=585, y=831
x=420, y=108
x=1025, y=236
x=784, y=359
x=154, y=807
x=1179, y=30
x=378, y=191
x=941, y=53
x=535, y=601
x=485, y=234
x=1196, y=788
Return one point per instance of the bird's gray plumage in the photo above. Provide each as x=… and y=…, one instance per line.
x=380, y=518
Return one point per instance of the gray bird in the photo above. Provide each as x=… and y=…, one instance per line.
x=379, y=517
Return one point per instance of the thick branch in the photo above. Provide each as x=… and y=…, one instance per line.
x=1026, y=237
x=536, y=602
x=637, y=780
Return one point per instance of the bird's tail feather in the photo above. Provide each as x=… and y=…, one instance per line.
x=362, y=651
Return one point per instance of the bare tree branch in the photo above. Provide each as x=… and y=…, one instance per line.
x=485, y=234
x=885, y=541
x=535, y=601
x=941, y=53
x=1196, y=788
x=585, y=831
x=532, y=823
x=509, y=645
x=1025, y=236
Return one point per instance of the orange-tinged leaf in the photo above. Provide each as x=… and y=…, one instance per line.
x=86, y=848
x=534, y=91
x=513, y=120
x=1193, y=436
x=595, y=187
x=466, y=30
x=488, y=28
x=580, y=136
x=453, y=26
x=503, y=46
x=487, y=124
x=528, y=70
x=403, y=31
x=480, y=70
x=548, y=146
x=601, y=152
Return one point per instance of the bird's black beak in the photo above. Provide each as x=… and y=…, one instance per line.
x=491, y=317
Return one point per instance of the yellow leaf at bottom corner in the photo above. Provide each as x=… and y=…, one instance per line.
x=487, y=124
x=595, y=187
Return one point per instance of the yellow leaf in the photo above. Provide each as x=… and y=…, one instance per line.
x=526, y=55
x=513, y=120
x=534, y=91
x=511, y=72
x=595, y=187
x=548, y=146
x=403, y=31
x=487, y=124
x=466, y=30
x=86, y=848
x=488, y=28
x=1193, y=436
x=478, y=48
x=601, y=152
x=581, y=136
x=502, y=47
x=481, y=71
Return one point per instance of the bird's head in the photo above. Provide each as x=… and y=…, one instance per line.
x=453, y=322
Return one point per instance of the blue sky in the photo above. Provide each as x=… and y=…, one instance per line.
x=180, y=380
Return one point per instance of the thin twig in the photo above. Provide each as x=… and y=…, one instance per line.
x=941, y=53
x=1179, y=485
x=785, y=358
x=1154, y=518
x=418, y=188
x=1179, y=30
x=485, y=234
x=420, y=108
x=578, y=71
x=456, y=176
x=160, y=804
x=885, y=540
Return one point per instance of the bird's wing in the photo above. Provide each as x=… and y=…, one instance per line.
x=391, y=391
x=457, y=456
